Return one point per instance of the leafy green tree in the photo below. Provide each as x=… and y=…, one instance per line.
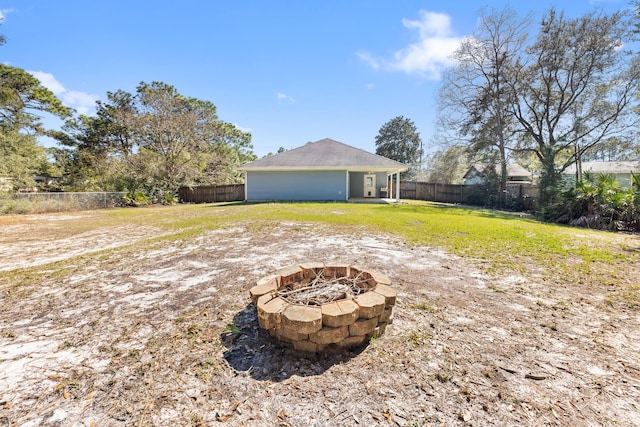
x=399, y=140
x=156, y=141
x=22, y=99
x=20, y=157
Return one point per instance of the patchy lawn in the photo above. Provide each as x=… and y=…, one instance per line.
x=142, y=317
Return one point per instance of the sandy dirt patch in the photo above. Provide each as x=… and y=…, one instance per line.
x=163, y=333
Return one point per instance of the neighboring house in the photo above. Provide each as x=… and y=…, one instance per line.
x=622, y=170
x=477, y=174
x=324, y=170
x=6, y=184
x=45, y=180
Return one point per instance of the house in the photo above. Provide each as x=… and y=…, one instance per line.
x=477, y=174
x=621, y=170
x=6, y=184
x=324, y=170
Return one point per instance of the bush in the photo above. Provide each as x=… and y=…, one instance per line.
x=9, y=205
x=136, y=198
x=598, y=201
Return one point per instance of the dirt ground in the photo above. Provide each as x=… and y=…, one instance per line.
x=123, y=330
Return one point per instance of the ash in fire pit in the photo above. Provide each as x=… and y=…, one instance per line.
x=315, y=307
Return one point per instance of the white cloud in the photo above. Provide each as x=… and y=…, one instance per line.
x=369, y=59
x=242, y=129
x=82, y=102
x=3, y=13
x=427, y=56
x=284, y=97
x=49, y=82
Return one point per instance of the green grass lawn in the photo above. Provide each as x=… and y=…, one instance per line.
x=499, y=242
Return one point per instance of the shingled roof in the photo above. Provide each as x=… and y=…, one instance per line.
x=326, y=154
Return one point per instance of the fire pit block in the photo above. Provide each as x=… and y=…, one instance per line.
x=314, y=307
x=266, y=285
x=290, y=335
x=339, y=313
x=328, y=335
x=363, y=326
x=371, y=304
x=304, y=319
x=269, y=309
x=388, y=293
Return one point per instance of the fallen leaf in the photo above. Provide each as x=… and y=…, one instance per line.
x=91, y=395
x=66, y=395
x=54, y=376
x=536, y=377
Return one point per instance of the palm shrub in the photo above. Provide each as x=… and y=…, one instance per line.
x=598, y=201
x=631, y=214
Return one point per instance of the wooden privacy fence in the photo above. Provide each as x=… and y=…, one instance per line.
x=525, y=196
x=446, y=193
x=212, y=193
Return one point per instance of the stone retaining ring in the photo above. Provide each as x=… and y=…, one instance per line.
x=347, y=319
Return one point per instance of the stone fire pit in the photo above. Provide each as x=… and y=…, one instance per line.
x=315, y=307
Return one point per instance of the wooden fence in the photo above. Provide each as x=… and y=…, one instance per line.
x=212, y=193
x=522, y=195
x=446, y=193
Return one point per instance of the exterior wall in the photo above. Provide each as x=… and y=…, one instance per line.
x=296, y=185
x=356, y=183
x=474, y=178
x=624, y=179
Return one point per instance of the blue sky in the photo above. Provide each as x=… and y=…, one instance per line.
x=289, y=72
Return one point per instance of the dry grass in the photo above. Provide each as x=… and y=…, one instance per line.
x=142, y=317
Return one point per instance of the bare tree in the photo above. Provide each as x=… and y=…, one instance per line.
x=575, y=88
x=447, y=166
x=477, y=94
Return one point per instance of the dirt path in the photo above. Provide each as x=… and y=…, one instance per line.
x=163, y=334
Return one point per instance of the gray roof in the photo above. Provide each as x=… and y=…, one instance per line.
x=326, y=154
x=513, y=170
x=620, y=167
